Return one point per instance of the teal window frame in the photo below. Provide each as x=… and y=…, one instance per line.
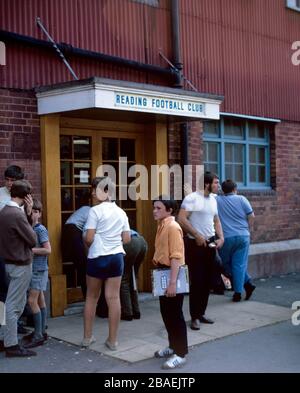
x=246, y=142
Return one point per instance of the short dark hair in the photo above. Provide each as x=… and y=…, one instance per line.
x=20, y=188
x=37, y=205
x=105, y=183
x=228, y=186
x=14, y=172
x=168, y=202
x=209, y=177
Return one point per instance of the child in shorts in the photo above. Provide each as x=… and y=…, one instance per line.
x=38, y=284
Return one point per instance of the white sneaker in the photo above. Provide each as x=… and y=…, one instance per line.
x=86, y=342
x=174, y=362
x=164, y=353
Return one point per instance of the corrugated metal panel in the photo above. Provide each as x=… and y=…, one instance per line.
x=242, y=49
x=238, y=48
x=116, y=27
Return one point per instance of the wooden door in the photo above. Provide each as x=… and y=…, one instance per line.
x=82, y=152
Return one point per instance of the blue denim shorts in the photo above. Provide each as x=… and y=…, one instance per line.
x=39, y=280
x=106, y=266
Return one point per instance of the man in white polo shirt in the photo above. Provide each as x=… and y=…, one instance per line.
x=198, y=217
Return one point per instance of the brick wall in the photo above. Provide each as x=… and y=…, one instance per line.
x=195, y=150
x=20, y=135
x=278, y=210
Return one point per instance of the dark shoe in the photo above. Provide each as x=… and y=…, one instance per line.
x=34, y=342
x=136, y=315
x=126, y=317
x=18, y=352
x=249, y=288
x=2, y=346
x=206, y=320
x=30, y=336
x=237, y=297
x=22, y=330
x=195, y=324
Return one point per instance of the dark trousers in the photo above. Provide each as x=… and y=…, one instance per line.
x=135, y=254
x=172, y=315
x=73, y=250
x=200, y=261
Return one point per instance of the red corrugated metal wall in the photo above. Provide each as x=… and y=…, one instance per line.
x=242, y=49
x=116, y=27
x=238, y=48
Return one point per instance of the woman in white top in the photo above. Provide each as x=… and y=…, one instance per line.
x=106, y=230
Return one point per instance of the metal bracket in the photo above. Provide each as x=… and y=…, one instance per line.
x=61, y=55
x=177, y=70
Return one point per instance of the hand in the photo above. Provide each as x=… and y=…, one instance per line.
x=219, y=242
x=34, y=219
x=171, y=290
x=28, y=204
x=200, y=241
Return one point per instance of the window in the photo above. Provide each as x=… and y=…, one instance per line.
x=238, y=149
x=293, y=4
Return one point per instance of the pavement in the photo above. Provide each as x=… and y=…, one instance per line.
x=241, y=331
x=139, y=339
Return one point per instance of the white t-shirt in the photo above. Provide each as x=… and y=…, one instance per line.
x=4, y=197
x=203, y=210
x=110, y=221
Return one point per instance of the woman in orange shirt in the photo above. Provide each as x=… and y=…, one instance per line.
x=169, y=253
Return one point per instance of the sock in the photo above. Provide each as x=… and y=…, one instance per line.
x=37, y=320
x=44, y=319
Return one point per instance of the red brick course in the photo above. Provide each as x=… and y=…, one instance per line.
x=20, y=135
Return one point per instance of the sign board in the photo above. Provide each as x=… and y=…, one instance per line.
x=166, y=102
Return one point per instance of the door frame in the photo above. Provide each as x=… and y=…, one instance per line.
x=151, y=148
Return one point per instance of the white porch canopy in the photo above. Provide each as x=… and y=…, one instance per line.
x=126, y=96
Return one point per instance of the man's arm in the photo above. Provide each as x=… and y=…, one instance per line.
x=250, y=219
x=219, y=231
x=188, y=228
x=171, y=290
x=126, y=237
x=44, y=250
x=88, y=236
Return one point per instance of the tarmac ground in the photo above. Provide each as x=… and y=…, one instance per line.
x=252, y=336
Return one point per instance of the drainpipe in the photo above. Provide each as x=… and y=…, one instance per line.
x=177, y=61
x=176, y=42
